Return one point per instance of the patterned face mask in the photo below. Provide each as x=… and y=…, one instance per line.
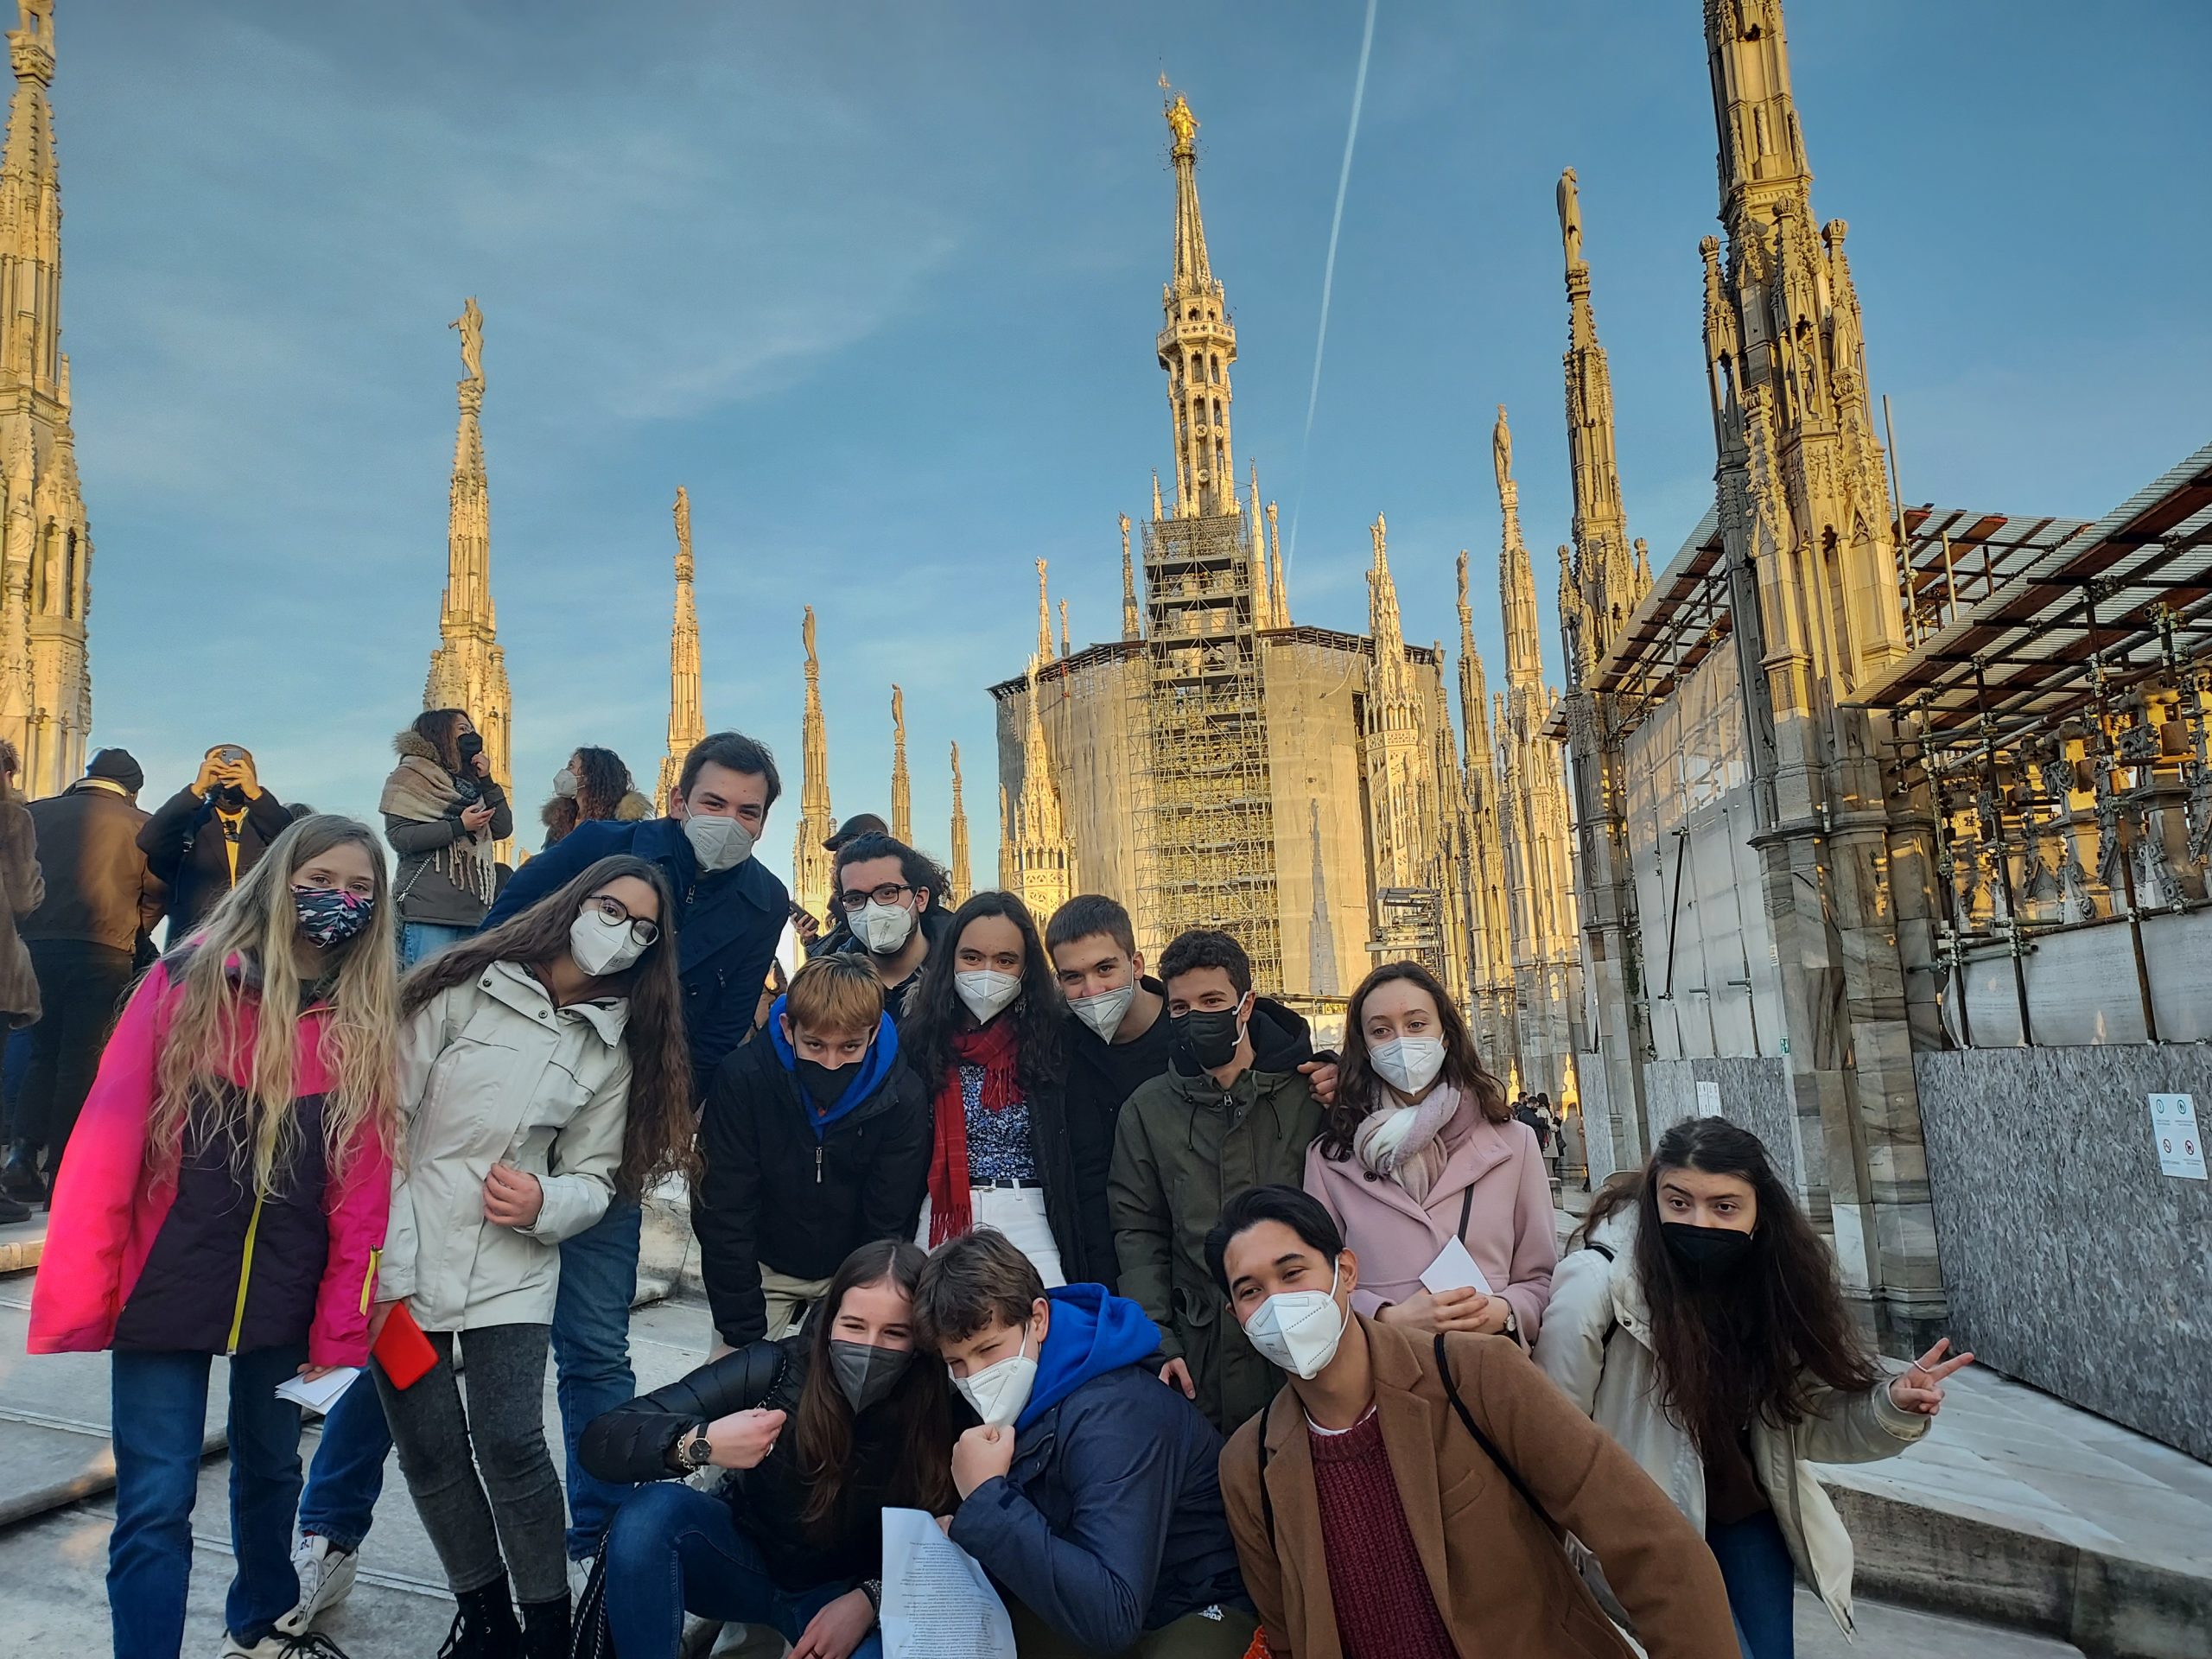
x=331, y=916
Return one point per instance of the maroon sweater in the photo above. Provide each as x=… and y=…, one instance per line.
x=1384, y=1607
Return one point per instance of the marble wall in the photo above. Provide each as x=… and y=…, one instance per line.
x=1754, y=1093
x=2070, y=1262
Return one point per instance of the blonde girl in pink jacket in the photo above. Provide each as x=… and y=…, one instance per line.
x=1420, y=1149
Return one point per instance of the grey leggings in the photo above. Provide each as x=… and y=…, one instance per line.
x=501, y=1432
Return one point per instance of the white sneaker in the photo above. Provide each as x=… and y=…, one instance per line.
x=313, y=1645
x=326, y=1578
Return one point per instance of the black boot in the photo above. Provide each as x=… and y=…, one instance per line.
x=485, y=1627
x=545, y=1632
x=21, y=1180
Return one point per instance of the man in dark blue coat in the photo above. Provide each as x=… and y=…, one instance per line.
x=1090, y=1492
x=729, y=914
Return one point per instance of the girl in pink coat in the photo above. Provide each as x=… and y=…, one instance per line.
x=225, y=1191
x=1420, y=1149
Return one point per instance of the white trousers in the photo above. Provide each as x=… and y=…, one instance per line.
x=1018, y=1212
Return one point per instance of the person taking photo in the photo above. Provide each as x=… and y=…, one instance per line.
x=206, y=838
x=1404, y=1497
x=226, y=1192
x=443, y=811
x=1702, y=1325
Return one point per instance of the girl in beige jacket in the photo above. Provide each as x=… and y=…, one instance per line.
x=539, y=1064
x=1703, y=1327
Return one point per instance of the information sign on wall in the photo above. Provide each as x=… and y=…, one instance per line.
x=1708, y=1099
x=2173, y=1128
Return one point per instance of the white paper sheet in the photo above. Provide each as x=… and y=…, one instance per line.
x=1454, y=1269
x=937, y=1603
x=321, y=1395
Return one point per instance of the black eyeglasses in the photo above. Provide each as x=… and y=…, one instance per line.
x=615, y=909
x=889, y=893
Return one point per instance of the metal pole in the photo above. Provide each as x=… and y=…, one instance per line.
x=2119, y=822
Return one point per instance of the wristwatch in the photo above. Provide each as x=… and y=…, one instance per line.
x=696, y=1451
x=1512, y=1323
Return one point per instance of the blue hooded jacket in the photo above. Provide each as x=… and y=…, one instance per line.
x=1110, y=1523
x=875, y=1066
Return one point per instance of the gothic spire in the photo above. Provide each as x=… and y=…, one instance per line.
x=962, y=878
x=1279, y=599
x=902, y=801
x=811, y=860
x=31, y=210
x=1132, y=618
x=1260, y=594
x=687, y=721
x=1065, y=648
x=1383, y=621
x=1044, y=653
x=1516, y=582
x=1041, y=865
x=1602, y=592
x=1474, y=694
x=1197, y=343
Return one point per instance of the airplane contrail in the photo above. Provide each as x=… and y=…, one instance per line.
x=1329, y=274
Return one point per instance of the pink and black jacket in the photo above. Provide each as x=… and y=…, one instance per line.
x=201, y=1262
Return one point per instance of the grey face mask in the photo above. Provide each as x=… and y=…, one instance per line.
x=867, y=1374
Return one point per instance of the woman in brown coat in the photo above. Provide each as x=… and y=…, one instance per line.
x=1403, y=1497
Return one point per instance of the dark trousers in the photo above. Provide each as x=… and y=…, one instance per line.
x=1762, y=1583
x=81, y=985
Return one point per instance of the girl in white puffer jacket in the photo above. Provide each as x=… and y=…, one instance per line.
x=1702, y=1325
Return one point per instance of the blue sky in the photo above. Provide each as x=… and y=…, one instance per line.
x=878, y=284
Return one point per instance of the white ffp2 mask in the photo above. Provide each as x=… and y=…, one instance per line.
x=601, y=945
x=986, y=991
x=884, y=929
x=1299, y=1330
x=1105, y=1013
x=999, y=1391
x=717, y=842
x=1408, y=1064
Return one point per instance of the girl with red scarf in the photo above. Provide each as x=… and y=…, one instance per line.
x=984, y=1031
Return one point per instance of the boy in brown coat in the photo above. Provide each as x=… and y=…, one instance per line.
x=1402, y=1498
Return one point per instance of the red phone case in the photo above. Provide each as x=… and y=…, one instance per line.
x=401, y=1349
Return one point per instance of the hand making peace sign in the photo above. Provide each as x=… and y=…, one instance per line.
x=1921, y=1387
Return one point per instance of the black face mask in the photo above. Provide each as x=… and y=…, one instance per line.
x=232, y=796
x=469, y=745
x=1709, y=1253
x=1207, y=1038
x=867, y=1374
x=822, y=1086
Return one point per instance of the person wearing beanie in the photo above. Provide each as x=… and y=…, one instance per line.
x=84, y=937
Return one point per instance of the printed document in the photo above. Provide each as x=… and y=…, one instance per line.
x=1454, y=1269
x=937, y=1603
x=319, y=1395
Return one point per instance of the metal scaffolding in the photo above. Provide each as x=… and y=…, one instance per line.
x=1206, y=792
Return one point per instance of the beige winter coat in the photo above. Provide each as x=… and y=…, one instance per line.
x=490, y=1072
x=1596, y=1345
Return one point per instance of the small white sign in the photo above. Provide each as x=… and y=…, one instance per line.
x=1708, y=1099
x=2173, y=1127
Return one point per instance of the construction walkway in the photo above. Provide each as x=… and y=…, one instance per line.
x=2023, y=1529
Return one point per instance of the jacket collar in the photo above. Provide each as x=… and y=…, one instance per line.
x=1485, y=1147
x=514, y=985
x=1618, y=1234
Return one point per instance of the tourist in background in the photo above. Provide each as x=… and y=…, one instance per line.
x=985, y=1036
x=244, y=1114
x=204, y=839
x=730, y=912
x=595, y=786
x=890, y=900
x=1406, y=1500
x=820, y=1432
x=84, y=938
x=1088, y=1493
x=540, y=1062
x=22, y=890
x=1702, y=1325
x=814, y=1139
x=1232, y=1110
x=442, y=812
x=1419, y=1150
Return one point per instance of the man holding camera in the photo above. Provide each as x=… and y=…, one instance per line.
x=208, y=834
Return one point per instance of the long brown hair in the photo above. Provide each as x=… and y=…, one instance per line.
x=1761, y=1341
x=935, y=1013
x=1360, y=1092
x=255, y=923
x=918, y=1412
x=657, y=1141
x=441, y=729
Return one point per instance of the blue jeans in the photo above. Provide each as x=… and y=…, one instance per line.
x=1762, y=1584
x=160, y=1419
x=420, y=939
x=672, y=1550
x=591, y=1355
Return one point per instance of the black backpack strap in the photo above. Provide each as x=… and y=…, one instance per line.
x=1466, y=1210
x=1267, y=1503
x=1613, y=1319
x=1488, y=1446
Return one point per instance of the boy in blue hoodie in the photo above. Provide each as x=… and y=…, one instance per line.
x=1088, y=1493
x=815, y=1141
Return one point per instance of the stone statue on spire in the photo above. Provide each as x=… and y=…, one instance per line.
x=1570, y=218
x=1181, y=121
x=1501, y=450
x=471, y=324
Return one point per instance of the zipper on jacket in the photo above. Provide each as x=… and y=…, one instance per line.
x=245, y=1277
x=369, y=1280
x=817, y=1163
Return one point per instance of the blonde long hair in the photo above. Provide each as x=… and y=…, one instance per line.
x=259, y=922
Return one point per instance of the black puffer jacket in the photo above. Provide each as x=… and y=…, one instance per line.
x=773, y=1193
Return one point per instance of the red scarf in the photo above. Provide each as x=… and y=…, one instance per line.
x=996, y=1049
